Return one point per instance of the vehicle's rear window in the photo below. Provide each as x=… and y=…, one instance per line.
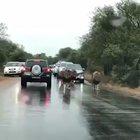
x=40, y=63
x=12, y=64
x=77, y=67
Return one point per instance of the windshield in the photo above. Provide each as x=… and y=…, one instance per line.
x=12, y=64
x=63, y=65
x=70, y=66
x=22, y=63
x=77, y=67
x=40, y=63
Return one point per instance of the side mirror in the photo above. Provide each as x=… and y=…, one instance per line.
x=83, y=69
x=4, y=66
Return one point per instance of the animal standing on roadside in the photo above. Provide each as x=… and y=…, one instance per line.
x=96, y=79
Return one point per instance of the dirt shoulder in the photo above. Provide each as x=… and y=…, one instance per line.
x=121, y=90
x=116, y=88
x=2, y=78
x=1, y=75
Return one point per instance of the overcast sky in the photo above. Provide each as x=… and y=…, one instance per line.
x=48, y=25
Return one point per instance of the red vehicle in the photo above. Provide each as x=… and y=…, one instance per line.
x=36, y=70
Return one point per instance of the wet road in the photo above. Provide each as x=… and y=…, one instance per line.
x=37, y=113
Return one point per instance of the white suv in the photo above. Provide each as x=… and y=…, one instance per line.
x=13, y=68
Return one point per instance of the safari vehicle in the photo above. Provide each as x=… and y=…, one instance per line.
x=36, y=70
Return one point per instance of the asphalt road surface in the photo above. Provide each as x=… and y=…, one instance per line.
x=37, y=113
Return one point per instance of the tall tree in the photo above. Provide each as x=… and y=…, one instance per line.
x=3, y=29
x=113, y=42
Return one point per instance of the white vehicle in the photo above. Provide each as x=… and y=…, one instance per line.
x=62, y=66
x=13, y=68
x=55, y=69
x=79, y=70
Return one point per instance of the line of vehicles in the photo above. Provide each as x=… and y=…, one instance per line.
x=33, y=70
x=38, y=70
x=63, y=65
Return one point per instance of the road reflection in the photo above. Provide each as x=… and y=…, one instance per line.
x=106, y=121
x=35, y=96
x=37, y=112
x=66, y=99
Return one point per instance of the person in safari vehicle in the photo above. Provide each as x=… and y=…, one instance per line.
x=68, y=75
x=68, y=78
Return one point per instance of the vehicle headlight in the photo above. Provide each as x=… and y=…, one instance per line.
x=60, y=69
x=5, y=69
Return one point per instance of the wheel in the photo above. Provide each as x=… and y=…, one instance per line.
x=55, y=74
x=49, y=83
x=81, y=80
x=23, y=83
x=5, y=75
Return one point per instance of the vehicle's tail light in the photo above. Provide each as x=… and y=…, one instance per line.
x=23, y=69
x=46, y=70
x=27, y=69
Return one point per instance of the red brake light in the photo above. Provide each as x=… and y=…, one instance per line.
x=22, y=69
x=46, y=69
x=49, y=70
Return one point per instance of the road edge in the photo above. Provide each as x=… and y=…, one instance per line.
x=115, y=88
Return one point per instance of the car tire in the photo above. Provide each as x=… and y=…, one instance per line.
x=49, y=83
x=20, y=75
x=81, y=80
x=55, y=74
x=23, y=83
x=5, y=75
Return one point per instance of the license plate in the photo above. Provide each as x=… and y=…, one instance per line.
x=12, y=72
x=36, y=77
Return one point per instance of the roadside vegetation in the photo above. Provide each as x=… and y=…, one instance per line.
x=10, y=51
x=112, y=44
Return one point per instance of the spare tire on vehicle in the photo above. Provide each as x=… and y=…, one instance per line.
x=36, y=69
